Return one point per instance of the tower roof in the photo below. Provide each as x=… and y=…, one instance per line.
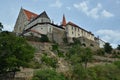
x=44, y=15
x=30, y=14
x=64, y=21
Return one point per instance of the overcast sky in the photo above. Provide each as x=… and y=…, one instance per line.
x=101, y=17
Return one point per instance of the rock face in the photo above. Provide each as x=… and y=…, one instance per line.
x=41, y=49
x=24, y=74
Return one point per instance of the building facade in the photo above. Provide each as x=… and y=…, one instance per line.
x=29, y=22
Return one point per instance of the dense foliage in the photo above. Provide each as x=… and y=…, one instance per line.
x=48, y=75
x=118, y=47
x=77, y=54
x=107, y=48
x=15, y=52
x=1, y=26
x=49, y=61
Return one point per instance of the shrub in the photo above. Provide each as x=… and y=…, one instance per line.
x=49, y=61
x=48, y=75
x=55, y=47
x=100, y=52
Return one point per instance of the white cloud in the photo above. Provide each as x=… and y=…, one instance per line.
x=57, y=4
x=95, y=12
x=110, y=36
x=82, y=6
x=68, y=8
x=8, y=27
x=106, y=14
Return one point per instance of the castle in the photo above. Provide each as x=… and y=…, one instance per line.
x=31, y=23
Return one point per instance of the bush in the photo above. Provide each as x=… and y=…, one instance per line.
x=105, y=72
x=60, y=53
x=49, y=61
x=48, y=75
x=55, y=47
x=100, y=52
x=117, y=63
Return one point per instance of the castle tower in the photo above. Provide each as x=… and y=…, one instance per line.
x=63, y=21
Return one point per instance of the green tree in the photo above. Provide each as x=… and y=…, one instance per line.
x=48, y=74
x=86, y=56
x=107, y=48
x=49, y=61
x=79, y=72
x=118, y=47
x=77, y=54
x=1, y=26
x=15, y=52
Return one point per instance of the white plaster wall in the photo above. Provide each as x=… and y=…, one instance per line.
x=77, y=32
x=101, y=43
x=38, y=20
x=43, y=29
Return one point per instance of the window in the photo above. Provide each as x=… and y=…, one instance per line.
x=50, y=30
x=72, y=32
x=72, y=28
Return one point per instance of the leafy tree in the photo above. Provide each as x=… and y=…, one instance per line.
x=107, y=48
x=15, y=52
x=48, y=74
x=1, y=26
x=77, y=54
x=118, y=47
x=49, y=61
x=86, y=56
x=79, y=72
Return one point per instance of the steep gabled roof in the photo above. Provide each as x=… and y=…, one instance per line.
x=44, y=15
x=30, y=14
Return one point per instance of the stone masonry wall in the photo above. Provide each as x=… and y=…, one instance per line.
x=57, y=35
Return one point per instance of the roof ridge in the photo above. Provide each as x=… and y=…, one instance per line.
x=44, y=14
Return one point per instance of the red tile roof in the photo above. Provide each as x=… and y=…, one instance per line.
x=71, y=23
x=30, y=14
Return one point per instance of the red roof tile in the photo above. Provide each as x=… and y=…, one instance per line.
x=71, y=23
x=30, y=14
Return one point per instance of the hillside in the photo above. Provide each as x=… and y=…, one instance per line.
x=56, y=57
